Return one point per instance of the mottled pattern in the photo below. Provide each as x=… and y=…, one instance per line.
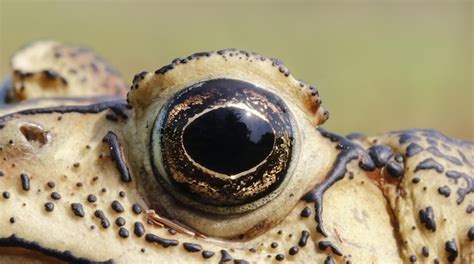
x=76, y=179
x=431, y=202
x=51, y=69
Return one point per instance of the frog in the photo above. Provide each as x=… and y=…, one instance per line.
x=217, y=157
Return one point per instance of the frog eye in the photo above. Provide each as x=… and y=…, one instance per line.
x=223, y=142
x=219, y=139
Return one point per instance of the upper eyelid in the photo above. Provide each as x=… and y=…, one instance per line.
x=210, y=65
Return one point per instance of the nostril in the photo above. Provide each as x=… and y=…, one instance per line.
x=34, y=134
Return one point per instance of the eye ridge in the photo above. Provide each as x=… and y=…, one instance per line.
x=185, y=174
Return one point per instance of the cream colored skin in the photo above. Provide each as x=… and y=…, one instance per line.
x=48, y=69
x=365, y=219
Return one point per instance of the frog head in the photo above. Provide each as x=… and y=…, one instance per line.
x=218, y=156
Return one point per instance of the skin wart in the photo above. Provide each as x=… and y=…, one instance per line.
x=81, y=178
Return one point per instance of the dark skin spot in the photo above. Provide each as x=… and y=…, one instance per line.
x=191, y=247
x=280, y=257
x=104, y=222
x=429, y=164
x=120, y=221
x=207, y=254
x=55, y=196
x=425, y=252
x=77, y=209
x=162, y=241
x=323, y=245
x=49, y=207
x=91, y=198
x=294, y=250
x=51, y=184
x=427, y=218
x=138, y=229
x=123, y=232
x=117, y=206
x=306, y=212
x=304, y=238
x=380, y=154
x=117, y=156
x=25, y=182
x=413, y=149
x=452, y=249
x=395, y=169
x=444, y=190
x=225, y=256
x=136, y=209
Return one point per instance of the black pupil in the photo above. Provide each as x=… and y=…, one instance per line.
x=228, y=140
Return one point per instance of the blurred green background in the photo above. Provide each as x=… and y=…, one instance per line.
x=379, y=65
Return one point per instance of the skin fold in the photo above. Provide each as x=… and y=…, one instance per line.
x=78, y=179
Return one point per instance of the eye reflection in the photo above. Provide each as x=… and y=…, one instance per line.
x=228, y=140
x=223, y=145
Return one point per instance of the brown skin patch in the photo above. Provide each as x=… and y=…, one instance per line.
x=22, y=255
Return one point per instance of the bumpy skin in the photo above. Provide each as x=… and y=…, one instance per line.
x=370, y=199
x=51, y=69
x=432, y=202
